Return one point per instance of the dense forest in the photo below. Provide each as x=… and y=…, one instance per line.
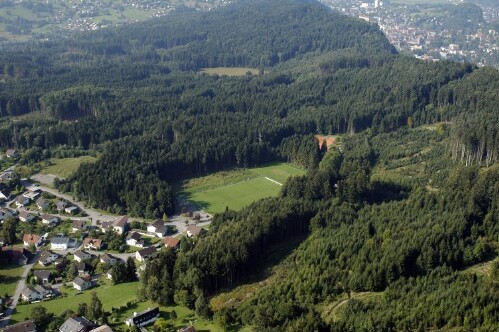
x=384, y=227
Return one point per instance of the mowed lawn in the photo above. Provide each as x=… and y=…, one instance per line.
x=62, y=168
x=9, y=276
x=110, y=296
x=214, y=193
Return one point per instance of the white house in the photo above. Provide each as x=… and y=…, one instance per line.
x=29, y=239
x=79, y=225
x=29, y=294
x=47, y=257
x=71, y=209
x=158, y=228
x=42, y=203
x=5, y=213
x=82, y=283
x=134, y=239
x=59, y=243
x=145, y=253
x=120, y=224
x=143, y=318
x=108, y=259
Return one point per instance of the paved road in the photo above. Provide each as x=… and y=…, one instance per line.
x=20, y=286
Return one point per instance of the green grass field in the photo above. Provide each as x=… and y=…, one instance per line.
x=229, y=71
x=62, y=168
x=238, y=188
x=9, y=276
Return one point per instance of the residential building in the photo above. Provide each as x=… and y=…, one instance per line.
x=42, y=203
x=32, y=194
x=12, y=153
x=42, y=276
x=79, y=225
x=193, y=230
x=82, y=284
x=5, y=213
x=59, y=243
x=145, y=253
x=158, y=228
x=103, y=328
x=91, y=243
x=29, y=294
x=47, y=257
x=135, y=239
x=81, y=256
x=83, y=270
x=26, y=326
x=21, y=201
x=29, y=239
x=76, y=324
x=108, y=259
x=3, y=196
x=171, y=242
x=48, y=219
x=60, y=205
x=25, y=216
x=120, y=224
x=143, y=318
x=71, y=209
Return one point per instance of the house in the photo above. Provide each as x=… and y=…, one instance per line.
x=32, y=194
x=21, y=201
x=42, y=276
x=2, y=241
x=26, y=326
x=44, y=291
x=81, y=256
x=145, y=253
x=103, y=328
x=91, y=243
x=108, y=259
x=193, y=230
x=120, y=224
x=60, y=205
x=187, y=329
x=82, y=284
x=71, y=209
x=29, y=239
x=79, y=225
x=48, y=219
x=42, y=203
x=59, y=243
x=134, y=239
x=83, y=270
x=109, y=274
x=106, y=225
x=3, y=196
x=25, y=216
x=29, y=294
x=12, y=153
x=158, y=228
x=143, y=318
x=171, y=242
x=13, y=255
x=76, y=324
x=5, y=213
x=47, y=257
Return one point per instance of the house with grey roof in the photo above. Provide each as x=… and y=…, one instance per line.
x=76, y=324
x=59, y=243
x=26, y=326
x=42, y=276
x=82, y=284
x=81, y=256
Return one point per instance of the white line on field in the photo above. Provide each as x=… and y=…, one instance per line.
x=274, y=181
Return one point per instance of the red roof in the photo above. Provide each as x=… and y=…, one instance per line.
x=31, y=238
x=170, y=242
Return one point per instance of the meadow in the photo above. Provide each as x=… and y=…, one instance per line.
x=62, y=168
x=9, y=276
x=237, y=188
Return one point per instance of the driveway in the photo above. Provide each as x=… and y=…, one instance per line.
x=20, y=286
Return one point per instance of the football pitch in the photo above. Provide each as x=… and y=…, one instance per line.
x=237, y=188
